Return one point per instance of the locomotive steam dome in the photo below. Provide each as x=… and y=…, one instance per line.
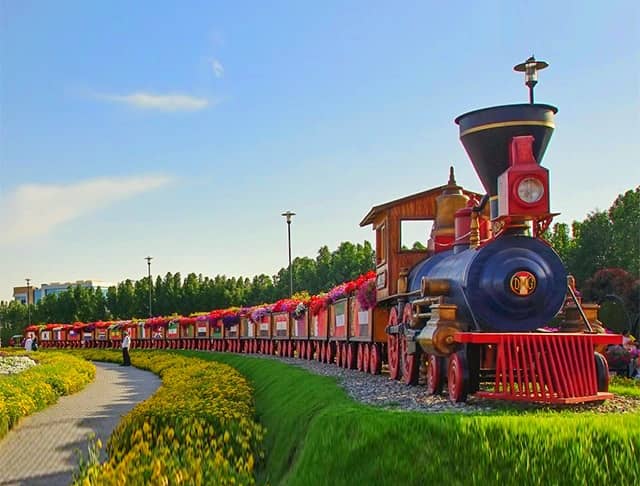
x=486, y=134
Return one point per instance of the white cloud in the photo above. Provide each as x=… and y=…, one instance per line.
x=37, y=209
x=167, y=102
x=218, y=69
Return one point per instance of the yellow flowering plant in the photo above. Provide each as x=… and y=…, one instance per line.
x=34, y=389
x=198, y=428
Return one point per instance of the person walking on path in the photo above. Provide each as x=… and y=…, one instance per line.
x=28, y=342
x=126, y=342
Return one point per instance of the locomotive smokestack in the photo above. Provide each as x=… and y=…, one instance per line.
x=487, y=133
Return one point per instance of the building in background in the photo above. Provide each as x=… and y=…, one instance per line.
x=39, y=293
x=20, y=294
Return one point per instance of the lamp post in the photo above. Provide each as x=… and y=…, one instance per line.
x=28, y=292
x=289, y=215
x=149, y=258
x=530, y=69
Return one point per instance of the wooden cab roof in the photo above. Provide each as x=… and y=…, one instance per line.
x=421, y=205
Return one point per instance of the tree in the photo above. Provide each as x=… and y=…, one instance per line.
x=624, y=215
x=561, y=241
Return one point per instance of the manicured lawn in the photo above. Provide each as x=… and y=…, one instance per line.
x=317, y=435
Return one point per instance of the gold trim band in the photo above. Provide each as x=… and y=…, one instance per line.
x=489, y=126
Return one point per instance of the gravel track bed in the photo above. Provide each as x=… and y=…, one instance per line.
x=380, y=391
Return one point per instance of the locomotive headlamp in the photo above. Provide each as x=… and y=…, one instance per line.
x=530, y=69
x=530, y=190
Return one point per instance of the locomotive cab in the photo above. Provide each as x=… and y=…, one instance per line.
x=393, y=262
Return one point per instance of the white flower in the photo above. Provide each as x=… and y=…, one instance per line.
x=15, y=364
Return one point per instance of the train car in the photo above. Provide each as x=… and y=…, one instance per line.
x=248, y=334
x=45, y=336
x=100, y=334
x=115, y=333
x=319, y=330
x=300, y=330
x=281, y=332
x=231, y=324
x=367, y=335
x=203, y=332
x=339, y=331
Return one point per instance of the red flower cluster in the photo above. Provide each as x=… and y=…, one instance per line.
x=318, y=303
x=285, y=305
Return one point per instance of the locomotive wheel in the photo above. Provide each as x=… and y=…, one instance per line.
x=338, y=354
x=457, y=378
x=434, y=378
x=343, y=356
x=602, y=372
x=359, y=357
x=392, y=347
x=409, y=362
x=375, y=363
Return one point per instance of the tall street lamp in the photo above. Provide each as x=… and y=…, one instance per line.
x=149, y=258
x=530, y=69
x=289, y=215
x=28, y=292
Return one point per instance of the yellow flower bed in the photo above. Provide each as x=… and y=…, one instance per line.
x=198, y=428
x=27, y=392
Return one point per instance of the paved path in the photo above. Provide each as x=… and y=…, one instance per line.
x=40, y=450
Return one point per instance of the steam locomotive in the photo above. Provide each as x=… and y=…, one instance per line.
x=486, y=308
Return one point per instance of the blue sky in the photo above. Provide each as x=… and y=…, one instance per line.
x=183, y=129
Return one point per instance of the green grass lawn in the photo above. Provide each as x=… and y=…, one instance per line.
x=316, y=435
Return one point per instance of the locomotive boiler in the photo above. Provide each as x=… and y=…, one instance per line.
x=472, y=306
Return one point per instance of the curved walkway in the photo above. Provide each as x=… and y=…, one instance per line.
x=41, y=450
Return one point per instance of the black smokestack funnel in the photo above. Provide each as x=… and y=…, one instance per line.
x=486, y=135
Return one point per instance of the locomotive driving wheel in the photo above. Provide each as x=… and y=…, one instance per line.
x=457, y=378
x=392, y=347
x=409, y=362
x=434, y=375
